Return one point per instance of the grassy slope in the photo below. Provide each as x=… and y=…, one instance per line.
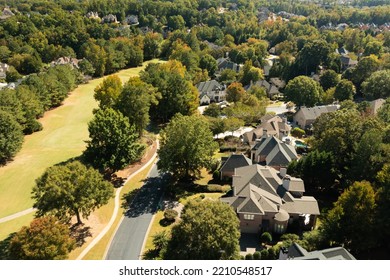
x=63, y=136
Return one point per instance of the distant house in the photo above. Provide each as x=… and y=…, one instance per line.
x=270, y=126
x=109, y=19
x=131, y=20
x=376, y=104
x=4, y=67
x=214, y=91
x=226, y=63
x=233, y=162
x=342, y=51
x=296, y=252
x=270, y=89
x=66, y=60
x=268, y=200
x=93, y=15
x=306, y=116
x=7, y=13
x=271, y=151
x=347, y=62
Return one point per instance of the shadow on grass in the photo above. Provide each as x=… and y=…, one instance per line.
x=80, y=233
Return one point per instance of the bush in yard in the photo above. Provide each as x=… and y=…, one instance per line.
x=266, y=238
x=216, y=175
x=264, y=254
x=170, y=215
x=257, y=255
x=297, y=132
x=249, y=257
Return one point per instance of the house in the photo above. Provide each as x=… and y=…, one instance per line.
x=231, y=163
x=93, y=15
x=131, y=20
x=296, y=252
x=7, y=13
x=273, y=152
x=270, y=89
x=214, y=91
x=268, y=200
x=306, y=116
x=109, y=19
x=272, y=125
x=347, y=62
x=226, y=63
x=4, y=67
x=376, y=104
x=66, y=60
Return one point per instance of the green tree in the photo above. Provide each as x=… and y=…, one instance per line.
x=45, y=239
x=134, y=102
x=32, y=108
x=186, y=146
x=209, y=63
x=383, y=198
x=114, y=142
x=366, y=66
x=227, y=76
x=12, y=75
x=96, y=55
x=249, y=73
x=344, y=90
x=384, y=111
x=86, y=67
x=351, y=221
x=152, y=45
x=176, y=22
x=374, y=47
x=71, y=189
x=303, y=91
x=11, y=136
x=108, y=91
x=329, y=79
x=377, y=85
x=213, y=110
x=266, y=238
x=208, y=230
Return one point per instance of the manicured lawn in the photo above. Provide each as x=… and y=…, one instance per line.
x=15, y=225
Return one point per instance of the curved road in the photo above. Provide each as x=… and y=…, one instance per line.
x=129, y=237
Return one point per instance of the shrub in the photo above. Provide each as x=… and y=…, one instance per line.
x=216, y=175
x=249, y=257
x=264, y=254
x=202, y=196
x=218, y=188
x=170, y=215
x=266, y=238
x=297, y=132
x=257, y=255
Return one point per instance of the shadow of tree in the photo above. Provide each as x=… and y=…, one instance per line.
x=4, y=245
x=80, y=233
x=165, y=222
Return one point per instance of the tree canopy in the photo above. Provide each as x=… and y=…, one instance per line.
x=208, y=230
x=11, y=136
x=186, y=146
x=71, y=189
x=303, y=91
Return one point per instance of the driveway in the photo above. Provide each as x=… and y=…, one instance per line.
x=129, y=238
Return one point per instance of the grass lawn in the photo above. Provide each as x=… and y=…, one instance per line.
x=14, y=225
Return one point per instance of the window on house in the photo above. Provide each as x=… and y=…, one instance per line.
x=249, y=217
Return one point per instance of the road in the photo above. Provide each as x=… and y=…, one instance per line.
x=128, y=240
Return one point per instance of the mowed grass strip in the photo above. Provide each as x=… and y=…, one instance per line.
x=65, y=130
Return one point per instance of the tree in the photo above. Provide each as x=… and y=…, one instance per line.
x=383, y=198
x=45, y=239
x=96, y=55
x=351, y=221
x=266, y=238
x=108, y=91
x=303, y=91
x=329, y=79
x=213, y=110
x=250, y=74
x=344, y=90
x=11, y=136
x=234, y=92
x=152, y=45
x=209, y=63
x=208, y=230
x=12, y=75
x=366, y=66
x=71, y=189
x=312, y=55
x=297, y=132
x=187, y=145
x=86, y=67
x=135, y=100
x=374, y=47
x=384, y=111
x=114, y=142
x=227, y=76
x=377, y=85
x=176, y=22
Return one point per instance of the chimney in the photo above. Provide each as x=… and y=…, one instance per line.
x=283, y=172
x=264, y=133
x=286, y=182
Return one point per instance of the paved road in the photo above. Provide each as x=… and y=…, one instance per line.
x=129, y=238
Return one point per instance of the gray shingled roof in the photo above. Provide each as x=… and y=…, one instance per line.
x=276, y=151
x=235, y=161
x=208, y=86
x=312, y=113
x=296, y=252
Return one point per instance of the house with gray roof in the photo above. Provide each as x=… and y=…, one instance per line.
x=296, y=252
x=271, y=151
x=347, y=62
x=213, y=90
x=269, y=200
x=306, y=116
x=270, y=126
x=270, y=88
x=231, y=163
x=110, y=18
x=226, y=63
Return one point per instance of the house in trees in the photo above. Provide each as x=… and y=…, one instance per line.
x=306, y=116
x=65, y=60
x=271, y=151
x=347, y=62
x=226, y=63
x=7, y=13
x=211, y=91
x=93, y=15
x=296, y=252
x=231, y=163
x=270, y=89
x=269, y=200
x=131, y=20
x=109, y=19
x=271, y=126
x=4, y=67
